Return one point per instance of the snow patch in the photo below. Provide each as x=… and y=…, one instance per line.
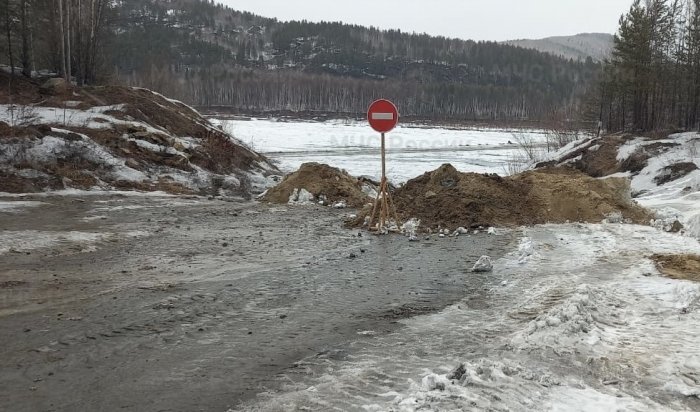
x=18, y=205
x=301, y=197
x=484, y=264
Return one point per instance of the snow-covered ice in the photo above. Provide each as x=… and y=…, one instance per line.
x=353, y=146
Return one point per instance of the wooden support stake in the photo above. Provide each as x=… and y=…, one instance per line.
x=383, y=204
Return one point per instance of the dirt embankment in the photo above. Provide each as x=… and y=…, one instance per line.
x=54, y=135
x=322, y=181
x=683, y=267
x=447, y=198
x=450, y=199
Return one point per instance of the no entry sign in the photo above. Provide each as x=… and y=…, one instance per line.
x=383, y=116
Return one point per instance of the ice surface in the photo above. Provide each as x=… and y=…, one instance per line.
x=353, y=146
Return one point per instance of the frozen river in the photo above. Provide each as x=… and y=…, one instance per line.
x=354, y=146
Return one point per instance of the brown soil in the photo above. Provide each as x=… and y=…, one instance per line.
x=683, y=267
x=24, y=91
x=162, y=185
x=561, y=194
x=602, y=162
x=449, y=199
x=320, y=179
x=10, y=183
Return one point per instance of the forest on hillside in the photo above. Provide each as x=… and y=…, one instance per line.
x=209, y=55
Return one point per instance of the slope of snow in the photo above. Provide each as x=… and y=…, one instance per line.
x=679, y=198
x=63, y=158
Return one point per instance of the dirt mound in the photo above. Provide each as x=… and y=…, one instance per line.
x=448, y=198
x=684, y=267
x=118, y=137
x=603, y=161
x=320, y=180
x=561, y=194
x=451, y=199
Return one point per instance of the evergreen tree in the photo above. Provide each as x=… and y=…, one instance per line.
x=651, y=83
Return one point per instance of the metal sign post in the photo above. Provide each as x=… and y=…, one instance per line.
x=383, y=116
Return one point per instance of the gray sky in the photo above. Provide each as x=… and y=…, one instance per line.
x=466, y=19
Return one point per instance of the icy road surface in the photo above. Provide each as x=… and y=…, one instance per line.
x=354, y=146
x=576, y=320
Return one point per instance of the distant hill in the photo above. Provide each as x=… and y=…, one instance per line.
x=597, y=46
x=209, y=55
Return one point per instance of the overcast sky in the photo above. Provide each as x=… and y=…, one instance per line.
x=466, y=19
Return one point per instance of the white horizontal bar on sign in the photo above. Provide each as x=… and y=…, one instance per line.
x=382, y=116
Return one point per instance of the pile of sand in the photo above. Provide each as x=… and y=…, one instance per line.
x=450, y=199
x=322, y=181
x=684, y=267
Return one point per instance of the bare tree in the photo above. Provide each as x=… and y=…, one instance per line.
x=62, y=32
x=25, y=33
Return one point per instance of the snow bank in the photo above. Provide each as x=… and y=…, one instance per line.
x=677, y=198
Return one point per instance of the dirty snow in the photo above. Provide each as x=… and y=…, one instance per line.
x=93, y=118
x=301, y=197
x=53, y=146
x=18, y=205
x=678, y=199
x=484, y=264
x=67, y=242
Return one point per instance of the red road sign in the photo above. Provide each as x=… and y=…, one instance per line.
x=383, y=115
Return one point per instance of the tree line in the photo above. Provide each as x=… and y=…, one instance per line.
x=210, y=55
x=255, y=91
x=652, y=81
x=207, y=54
